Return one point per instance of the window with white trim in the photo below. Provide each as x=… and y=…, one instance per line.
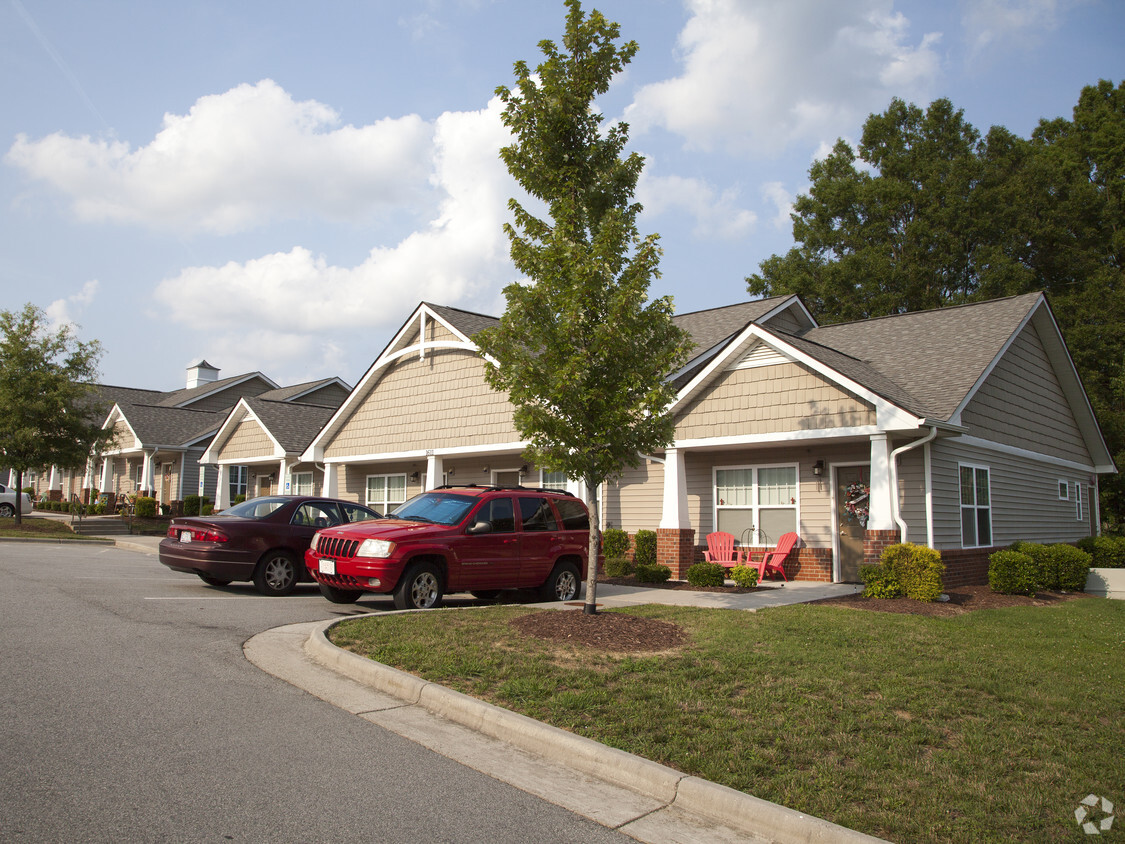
x=976, y=507
x=139, y=475
x=302, y=483
x=1078, y=501
x=552, y=480
x=385, y=492
x=239, y=475
x=756, y=504
x=1064, y=490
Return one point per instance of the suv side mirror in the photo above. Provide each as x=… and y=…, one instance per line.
x=479, y=527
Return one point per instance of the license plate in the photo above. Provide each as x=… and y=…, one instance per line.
x=185, y=536
x=328, y=566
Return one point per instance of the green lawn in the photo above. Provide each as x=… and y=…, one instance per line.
x=38, y=528
x=986, y=726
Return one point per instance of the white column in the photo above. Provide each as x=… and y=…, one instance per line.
x=675, y=514
x=149, y=482
x=104, y=482
x=222, y=487
x=55, y=480
x=331, y=482
x=434, y=469
x=12, y=478
x=880, y=515
x=88, y=478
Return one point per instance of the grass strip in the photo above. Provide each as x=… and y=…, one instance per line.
x=989, y=726
x=38, y=528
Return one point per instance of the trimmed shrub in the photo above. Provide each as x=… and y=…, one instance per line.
x=145, y=507
x=238, y=499
x=1071, y=566
x=653, y=573
x=192, y=504
x=706, y=574
x=1108, y=552
x=644, y=548
x=917, y=569
x=879, y=582
x=207, y=509
x=618, y=566
x=1012, y=573
x=615, y=543
x=744, y=576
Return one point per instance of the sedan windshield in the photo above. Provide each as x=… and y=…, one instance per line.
x=256, y=508
x=437, y=507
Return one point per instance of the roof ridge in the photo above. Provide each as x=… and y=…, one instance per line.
x=733, y=305
x=938, y=309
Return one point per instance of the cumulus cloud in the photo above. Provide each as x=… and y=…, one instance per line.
x=775, y=194
x=987, y=22
x=59, y=311
x=758, y=74
x=457, y=258
x=237, y=160
x=716, y=213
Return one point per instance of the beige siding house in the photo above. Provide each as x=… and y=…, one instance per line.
x=963, y=428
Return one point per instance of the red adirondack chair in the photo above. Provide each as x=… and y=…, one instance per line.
x=773, y=561
x=721, y=550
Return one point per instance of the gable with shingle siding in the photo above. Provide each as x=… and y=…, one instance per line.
x=1021, y=404
x=769, y=400
x=247, y=442
x=440, y=402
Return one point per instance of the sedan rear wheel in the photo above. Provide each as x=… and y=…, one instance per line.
x=7, y=511
x=276, y=574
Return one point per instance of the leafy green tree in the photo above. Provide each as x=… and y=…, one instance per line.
x=580, y=351
x=928, y=213
x=47, y=393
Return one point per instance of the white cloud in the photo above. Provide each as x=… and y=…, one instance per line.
x=237, y=160
x=776, y=195
x=59, y=311
x=759, y=74
x=459, y=258
x=1016, y=21
x=716, y=213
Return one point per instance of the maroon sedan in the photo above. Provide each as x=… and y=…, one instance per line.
x=263, y=540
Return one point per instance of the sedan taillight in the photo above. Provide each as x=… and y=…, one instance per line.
x=209, y=536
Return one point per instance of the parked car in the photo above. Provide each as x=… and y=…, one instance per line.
x=457, y=539
x=262, y=540
x=8, y=502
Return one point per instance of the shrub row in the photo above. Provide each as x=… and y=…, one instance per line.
x=1106, y=552
x=1026, y=567
x=905, y=569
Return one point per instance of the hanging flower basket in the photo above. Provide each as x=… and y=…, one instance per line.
x=857, y=501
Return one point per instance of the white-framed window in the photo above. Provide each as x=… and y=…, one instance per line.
x=1064, y=490
x=1078, y=501
x=385, y=492
x=139, y=475
x=239, y=475
x=552, y=480
x=976, y=507
x=302, y=483
x=757, y=504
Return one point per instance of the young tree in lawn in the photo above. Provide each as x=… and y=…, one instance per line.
x=47, y=395
x=580, y=350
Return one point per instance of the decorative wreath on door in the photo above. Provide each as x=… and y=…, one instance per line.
x=857, y=501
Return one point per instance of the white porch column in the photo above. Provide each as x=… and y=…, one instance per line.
x=149, y=472
x=880, y=515
x=55, y=481
x=331, y=481
x=88, y=478
x=11, y=478
x=675, y=514
x=434, y=469
x=104, y=482
x=222, y=488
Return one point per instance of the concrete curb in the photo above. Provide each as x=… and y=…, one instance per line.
x=50, y=540
x=673, y=789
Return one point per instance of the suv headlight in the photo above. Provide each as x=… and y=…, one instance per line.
x=375, y=548
x=315, y=540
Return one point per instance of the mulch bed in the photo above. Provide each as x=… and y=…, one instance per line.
x=618, y=633
x=682, y=585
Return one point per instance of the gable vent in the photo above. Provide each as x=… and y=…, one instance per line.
x=760, y=355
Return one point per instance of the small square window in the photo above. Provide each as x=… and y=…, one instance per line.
x=1064, y=490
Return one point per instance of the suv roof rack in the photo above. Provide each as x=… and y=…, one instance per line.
x=494, y=487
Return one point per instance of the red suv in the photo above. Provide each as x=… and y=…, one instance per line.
x=477, y=539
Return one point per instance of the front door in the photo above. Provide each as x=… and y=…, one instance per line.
x=166, y=483
x=265, y=487
x=511, y=478
x=853, y=492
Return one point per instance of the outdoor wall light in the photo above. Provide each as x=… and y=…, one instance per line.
x=485, y=470
x=414, y=477
x=451, y=471
x=818, y=468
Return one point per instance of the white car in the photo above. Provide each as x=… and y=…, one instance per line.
x=8, y=502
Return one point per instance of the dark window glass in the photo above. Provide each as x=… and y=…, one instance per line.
x=573, y=515
x=536, y=514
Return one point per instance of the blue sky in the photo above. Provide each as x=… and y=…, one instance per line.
x=275, y=186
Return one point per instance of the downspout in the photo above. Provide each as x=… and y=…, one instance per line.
x=894, y=478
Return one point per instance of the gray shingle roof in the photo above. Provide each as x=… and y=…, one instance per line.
x=170, y=426
x=292, y=425
x=286, y=393
x=467, y=322
x=178, y=398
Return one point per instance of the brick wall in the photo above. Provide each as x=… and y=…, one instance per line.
x=676, y=549
x=875, y=542
x=966, y=566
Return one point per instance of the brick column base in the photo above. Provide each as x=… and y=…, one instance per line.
x=675, y=548
x=875, y=542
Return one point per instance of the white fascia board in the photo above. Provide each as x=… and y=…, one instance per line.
x=392, y=351
x=320, y=385
x=785, y=304
x=115, y=414
x=888, y=416
x=422, y=453
x=779, y=438
x=240, y=380
x=1062, y=462
x=229, y=426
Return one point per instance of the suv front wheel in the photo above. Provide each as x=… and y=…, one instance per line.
x=419, y=588
x=563, y=584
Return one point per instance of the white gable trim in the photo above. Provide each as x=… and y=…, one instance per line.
x=759, y=354
x=889, y=417
x=234, y=383
x=238, y=414
x=115, y=414
x=785, y=305
x=393, y=351
x=417, y=453
x=1062, y=462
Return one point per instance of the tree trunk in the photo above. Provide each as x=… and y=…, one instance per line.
x=591, y=606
